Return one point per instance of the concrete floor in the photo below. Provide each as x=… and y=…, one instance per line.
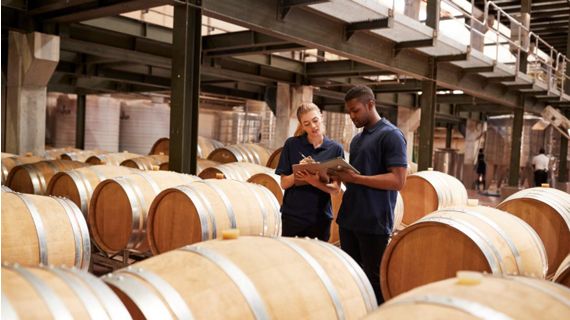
x=484, y=198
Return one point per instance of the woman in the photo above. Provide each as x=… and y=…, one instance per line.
x=306, y=209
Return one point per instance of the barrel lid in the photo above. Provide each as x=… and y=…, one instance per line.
x=230, y=234
x=469, y=278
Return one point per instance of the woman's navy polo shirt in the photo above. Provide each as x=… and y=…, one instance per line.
x=306, y=203
x=372, y=152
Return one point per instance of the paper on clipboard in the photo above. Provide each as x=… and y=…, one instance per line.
x=324, y=167
x=338, y=164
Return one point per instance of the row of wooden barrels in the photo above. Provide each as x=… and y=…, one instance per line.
x=159, y=152
x=443, y=197
x=214, y=150
x=423, y=193
x=125, y=215
x=527, y=234
x=119, y=202
x=265, y=278
x=30, y=174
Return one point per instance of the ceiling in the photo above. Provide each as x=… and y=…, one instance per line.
x=118, y=54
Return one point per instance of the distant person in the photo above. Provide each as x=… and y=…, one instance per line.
x=540, y=167
x=306, y=209
x=481, y=170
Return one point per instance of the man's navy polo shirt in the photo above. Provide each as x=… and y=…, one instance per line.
x=372, y=152
x=306, y=202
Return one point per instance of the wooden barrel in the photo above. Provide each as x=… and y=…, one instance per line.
x=206, y=146
x=203, y=164
x=81, y=155
x=247, y=152
x=201, y=210
x=111, y=159
x=55, y=154
x=271, y=182
x=241, y=171
x=57, y=293
x=428, y=191
x=412, y=167
x=146, y=163
x=273, y=161
x=161, y=145
x=246, y=278
x=35, y=177
x=119, y=207
x=77, y=185
x=8, y=163
x=465, y=238
x=562, y=275
x=47, y=230
x=475, y=296
x=398, y=214
x=547, y=211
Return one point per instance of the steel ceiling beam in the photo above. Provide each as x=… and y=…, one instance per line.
x=341, y=68
x=486, y=108
x=367, y=25
x=407, y=86
x=457, y=99
x=65, y=11
x=119, y=54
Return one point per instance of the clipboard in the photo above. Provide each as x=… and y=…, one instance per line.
x=323, y=168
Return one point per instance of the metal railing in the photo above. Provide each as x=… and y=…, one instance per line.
x=548, y=66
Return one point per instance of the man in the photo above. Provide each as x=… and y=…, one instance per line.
x=540, y=167
x=366, y=215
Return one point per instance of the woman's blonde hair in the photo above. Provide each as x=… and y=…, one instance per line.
x=304, y=108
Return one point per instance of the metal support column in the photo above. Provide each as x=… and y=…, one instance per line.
x=514, y=167
x=427, y=120
x=449, y=136
x=567, y=83
x=525, y=20
x=432, y=11
x=186, y=51
x=563, y=167
x=427, y=100
x=3, y=118
x=80, y=122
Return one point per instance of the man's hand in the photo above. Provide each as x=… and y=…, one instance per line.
x=344, y=175
x=308, y=177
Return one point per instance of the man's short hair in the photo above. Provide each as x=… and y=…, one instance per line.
x=541, y=150
x=362, y=93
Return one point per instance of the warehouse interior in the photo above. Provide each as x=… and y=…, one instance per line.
x=192, y=81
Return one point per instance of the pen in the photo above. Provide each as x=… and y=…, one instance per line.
x=302, y=155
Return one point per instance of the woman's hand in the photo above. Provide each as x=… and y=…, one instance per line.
x=306, y=160
x=308, y=177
